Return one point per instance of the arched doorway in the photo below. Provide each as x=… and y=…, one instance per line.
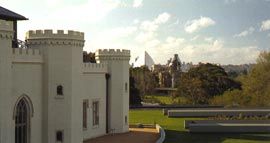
x=22, y=121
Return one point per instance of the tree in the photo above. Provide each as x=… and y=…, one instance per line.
x=89, y=57
x=145, y=80
x=201, y=83
x=255, y=86
x=192, y=88
x=134, y=93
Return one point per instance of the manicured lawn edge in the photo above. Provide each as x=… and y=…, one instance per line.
x=162, y=134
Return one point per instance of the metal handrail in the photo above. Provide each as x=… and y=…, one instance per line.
x=19, y=43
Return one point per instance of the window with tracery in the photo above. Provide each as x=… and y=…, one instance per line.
x=22, y=122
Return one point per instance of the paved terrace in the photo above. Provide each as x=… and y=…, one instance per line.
x=136, y=135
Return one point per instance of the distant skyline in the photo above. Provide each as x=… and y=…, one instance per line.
x=216, y=31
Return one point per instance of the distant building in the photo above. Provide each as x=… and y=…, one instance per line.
x=144, y=60
x=168, y=73
x=175, y=69
x=186, y=66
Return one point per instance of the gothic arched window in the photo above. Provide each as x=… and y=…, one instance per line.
x=22, y=122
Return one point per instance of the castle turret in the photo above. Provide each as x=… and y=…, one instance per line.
x=6, y=36
x=62, y=55
x=118, y=98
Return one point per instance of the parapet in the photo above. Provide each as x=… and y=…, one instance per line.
x=89, y=68
x=6, y=25
x=20, y=55
x=49, y=34
x=113, y=54
x=35, y=37
x=6, y=29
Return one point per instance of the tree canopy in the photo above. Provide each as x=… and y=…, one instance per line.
x=145, y=80
x=134, y=93
x=255, y=86
x=205, y=81
x=89, y=57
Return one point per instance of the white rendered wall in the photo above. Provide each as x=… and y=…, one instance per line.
x=27, y=80
x=57, y=60
x=94, y=89
x=6, y=130
x=119, y=101
x=62, y=53
x=118, y=68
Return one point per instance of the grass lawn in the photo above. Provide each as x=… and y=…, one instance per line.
x=175, y=132
x=165, y=99
x=162, y=99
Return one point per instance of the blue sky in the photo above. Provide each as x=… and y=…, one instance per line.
x=217, y=31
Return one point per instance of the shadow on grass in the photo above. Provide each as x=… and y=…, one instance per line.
x=173, y=136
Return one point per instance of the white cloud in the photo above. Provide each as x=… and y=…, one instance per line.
x=137, y=3
x=152, y=44
x=136, y=21
x=111, y=38
x=149, y=26
x=249, y=31
x=119, y=32
x=166, y=48
x=92, y=11
x=265, y=25
x=217, y=52
x=162, y=18
x=174, y=40
x=67, y=16
x=88, y=14
x=209, y=39
x=195, y=38
x=198, y=24
x=143, y=37
x=213, y=52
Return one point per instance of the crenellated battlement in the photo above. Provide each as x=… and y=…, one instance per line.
x=95, y=68
x=49, y=34
x=6, y=29
x=113, y=54
x=20, y=55
x=48, y=37
x=6, y=25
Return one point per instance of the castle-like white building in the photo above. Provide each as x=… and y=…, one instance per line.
x=47, y=93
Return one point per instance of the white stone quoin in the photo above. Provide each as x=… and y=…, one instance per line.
x=49, y=84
